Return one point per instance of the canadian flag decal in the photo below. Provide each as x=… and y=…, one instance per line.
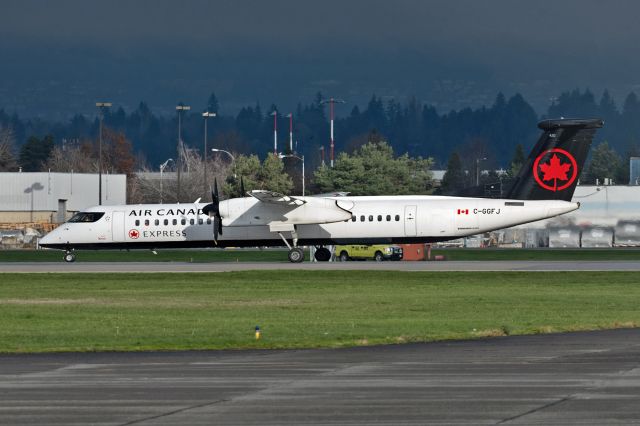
x=463, y=211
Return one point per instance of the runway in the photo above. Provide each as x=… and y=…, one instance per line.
x=576, y=378
x=165, y=267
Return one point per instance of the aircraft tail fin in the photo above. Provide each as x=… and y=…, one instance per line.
x=552, y=170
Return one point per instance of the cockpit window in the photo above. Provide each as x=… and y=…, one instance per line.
x=86, y=217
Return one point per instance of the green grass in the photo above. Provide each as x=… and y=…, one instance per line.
x=542, y=254
x=198, y=256
x=89, y=312
x=277, y=255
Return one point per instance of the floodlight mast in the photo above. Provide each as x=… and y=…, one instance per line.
x=206, y=115
x=290, y=116
x=180, y=109
x=101, y=107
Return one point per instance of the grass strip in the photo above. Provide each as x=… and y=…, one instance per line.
x=296, y=309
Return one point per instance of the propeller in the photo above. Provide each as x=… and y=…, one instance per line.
x=213, y=209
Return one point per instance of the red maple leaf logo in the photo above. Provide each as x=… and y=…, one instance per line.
x=134, y=234
x=556, y=170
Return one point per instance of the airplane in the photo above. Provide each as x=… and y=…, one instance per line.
x=542, y=189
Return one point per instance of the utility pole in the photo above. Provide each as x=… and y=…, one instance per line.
x=332, y=102
x=101, y=107
x=180, y=108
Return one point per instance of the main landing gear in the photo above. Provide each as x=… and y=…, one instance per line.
x=296, y=254
x=69, y=256
x=323, y=254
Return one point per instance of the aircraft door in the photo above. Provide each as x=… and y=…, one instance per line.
x=117, y=226
x=410, y=221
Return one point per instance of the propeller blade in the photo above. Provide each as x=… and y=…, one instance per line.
x=214, y=195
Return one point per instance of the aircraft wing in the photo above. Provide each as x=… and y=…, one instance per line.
x=276, y=198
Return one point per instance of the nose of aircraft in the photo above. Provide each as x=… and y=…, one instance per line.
x=50, y=239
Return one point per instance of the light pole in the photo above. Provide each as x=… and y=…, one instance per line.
x=233, y=159
x=101, y=107
x=478, y=160
x=206, y=115
x=299, y=158
x=162, y=167
x=290, y=117
x=180, y=108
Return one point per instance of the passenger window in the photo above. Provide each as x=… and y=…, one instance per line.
x=353, y=218
x=379, y=218
x=362, y=218
x=157, y=222
x=388, y=218
x=183, y=221
x=175, y=221
x=137, y=222
x=200, y=221
x=208, y=221
x=192, y=222
x=166, y=222
x=397, y=218
x=146, y=222
x=370, y=218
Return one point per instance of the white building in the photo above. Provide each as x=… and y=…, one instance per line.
x=52, y=197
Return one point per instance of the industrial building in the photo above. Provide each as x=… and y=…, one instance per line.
x=52, y=197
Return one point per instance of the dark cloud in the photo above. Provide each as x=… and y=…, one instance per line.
x=286, y=49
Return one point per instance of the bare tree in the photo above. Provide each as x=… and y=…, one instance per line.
x=7, y=152
x=75, y=157
x=149, y=187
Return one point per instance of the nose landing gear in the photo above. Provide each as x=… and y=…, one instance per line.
x=69, y=256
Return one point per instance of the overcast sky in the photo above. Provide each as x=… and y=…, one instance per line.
x=283, y=51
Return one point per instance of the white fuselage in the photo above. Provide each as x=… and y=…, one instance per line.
x=320, y=221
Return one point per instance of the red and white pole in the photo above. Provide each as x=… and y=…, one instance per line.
x=275, y=132
x=331, y=102
x=290, y=132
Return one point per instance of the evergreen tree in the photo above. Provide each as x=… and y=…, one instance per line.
x=517, y=161
x=35, y=153
x=455, y=177
x=7, y=146
x=605, y=164
x=212, y=104
x=373, y=170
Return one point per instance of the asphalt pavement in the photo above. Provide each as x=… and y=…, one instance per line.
x=575, y=378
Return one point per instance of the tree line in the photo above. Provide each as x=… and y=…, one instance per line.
x=142, y=139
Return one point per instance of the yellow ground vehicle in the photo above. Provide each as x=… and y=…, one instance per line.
x=378, y=252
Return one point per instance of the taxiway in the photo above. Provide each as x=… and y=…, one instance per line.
x=575, y=378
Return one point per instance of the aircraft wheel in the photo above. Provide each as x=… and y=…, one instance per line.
x=378, y=257
x=323, y=254
x=296, y=255
x=344, y=256
x=69, y=257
